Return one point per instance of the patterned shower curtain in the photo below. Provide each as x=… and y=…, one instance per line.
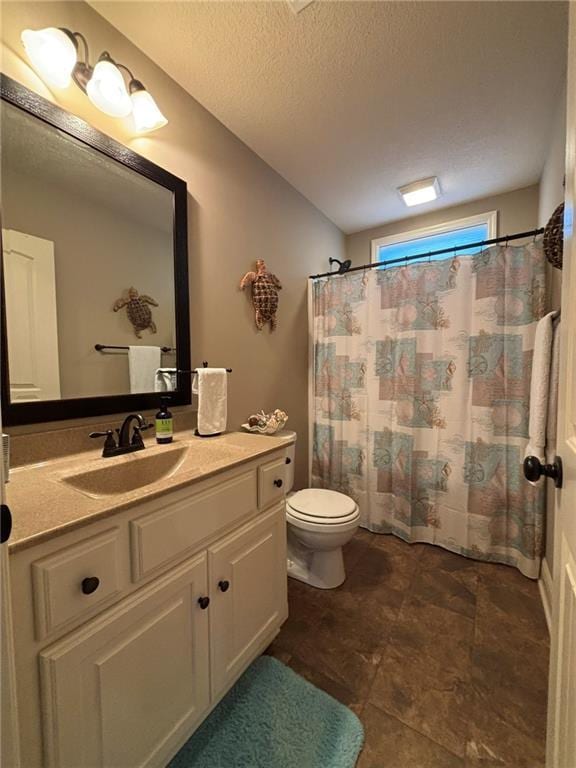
x=421, y=390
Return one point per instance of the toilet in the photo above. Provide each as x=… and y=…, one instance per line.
x=319, y=523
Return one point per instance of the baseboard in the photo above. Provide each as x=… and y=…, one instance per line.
x=545, y=587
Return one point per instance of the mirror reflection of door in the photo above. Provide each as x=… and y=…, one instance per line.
x=82, y=229
x=31, y=317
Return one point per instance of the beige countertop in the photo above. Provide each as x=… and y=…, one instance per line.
x=44, y=504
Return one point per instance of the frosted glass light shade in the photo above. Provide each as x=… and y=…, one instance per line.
x=423, y=191
x=147, y=116
x=107, y=90
x=52, y=53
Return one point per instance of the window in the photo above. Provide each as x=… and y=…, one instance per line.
x=473, y=229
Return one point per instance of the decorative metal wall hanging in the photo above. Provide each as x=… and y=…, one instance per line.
x=265, y=287
x=138, y=310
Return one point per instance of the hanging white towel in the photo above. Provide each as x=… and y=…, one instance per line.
x=211, y=385
x=143, y=363
x=165, y=380
x=540, y=387
x=552, y=415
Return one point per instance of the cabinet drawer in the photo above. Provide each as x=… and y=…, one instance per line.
x=182, y=525
x=74, y=580
x=271, y=481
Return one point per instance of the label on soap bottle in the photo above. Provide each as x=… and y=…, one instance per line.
x=164, y=427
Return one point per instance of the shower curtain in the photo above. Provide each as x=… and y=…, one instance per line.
x=420, y=400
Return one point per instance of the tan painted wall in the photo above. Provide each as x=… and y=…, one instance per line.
x=96, y=258
x=551, y=195
x=517, y=212
x=239, y=210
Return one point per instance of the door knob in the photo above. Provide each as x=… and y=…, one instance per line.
x=5, y=523
x=534, y=470
x=223, y=585
x=203, y=602
x=90, y=584
x=278, y=483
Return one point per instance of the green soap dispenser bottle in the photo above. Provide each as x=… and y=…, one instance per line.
x=164, y=422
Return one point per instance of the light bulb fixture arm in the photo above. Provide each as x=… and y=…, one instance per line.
x=80, y=36
x=82, y=71
x=134, y=85
x=124, y=67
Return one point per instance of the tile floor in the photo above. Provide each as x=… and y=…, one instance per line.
x=443, y=659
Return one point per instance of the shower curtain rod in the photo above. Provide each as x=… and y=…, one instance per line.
x=406, y=259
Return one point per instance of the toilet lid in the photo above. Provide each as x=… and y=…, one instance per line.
x=321, y=503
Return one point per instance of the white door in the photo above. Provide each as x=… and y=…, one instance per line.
x=9, y=749
x=125, y=689
x=561, y=747
x=31, y=318
x=248, y=594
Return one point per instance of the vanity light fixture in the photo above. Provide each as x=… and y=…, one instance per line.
x=423, y=191
x=54, y=54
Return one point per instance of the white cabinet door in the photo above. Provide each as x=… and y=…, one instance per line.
x=247, y=573
x=125, y=689
x=31, y=318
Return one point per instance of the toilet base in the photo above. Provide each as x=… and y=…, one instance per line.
x=323, y=570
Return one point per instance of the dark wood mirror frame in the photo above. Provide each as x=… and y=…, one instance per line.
x=73, y=408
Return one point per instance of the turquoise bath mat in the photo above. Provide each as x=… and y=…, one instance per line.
x=273, y=718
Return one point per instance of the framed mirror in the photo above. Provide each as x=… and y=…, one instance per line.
x=95, y=303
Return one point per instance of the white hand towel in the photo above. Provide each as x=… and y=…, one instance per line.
x=540, y=387
x=210, y=384
x=143, y=363
x=165, y=380
x=552, y=415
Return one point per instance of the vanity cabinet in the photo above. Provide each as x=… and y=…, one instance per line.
x=194, y=587
x=116, y=690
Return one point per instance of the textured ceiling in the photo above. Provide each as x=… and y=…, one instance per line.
x=349, y=100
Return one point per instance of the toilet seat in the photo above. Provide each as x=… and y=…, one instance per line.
x=321, y=507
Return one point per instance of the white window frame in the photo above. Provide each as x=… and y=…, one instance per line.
x=490, y=218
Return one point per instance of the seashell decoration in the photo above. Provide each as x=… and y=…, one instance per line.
x=266, y=423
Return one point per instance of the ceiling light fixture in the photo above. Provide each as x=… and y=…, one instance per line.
x=54, y=54
x=423, y=191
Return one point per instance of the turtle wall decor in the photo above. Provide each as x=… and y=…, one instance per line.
x=138, y=310
x=265, y=287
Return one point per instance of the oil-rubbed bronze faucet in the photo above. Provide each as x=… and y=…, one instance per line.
x=126, y=444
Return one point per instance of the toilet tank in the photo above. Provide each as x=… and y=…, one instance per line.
x=290, y=451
